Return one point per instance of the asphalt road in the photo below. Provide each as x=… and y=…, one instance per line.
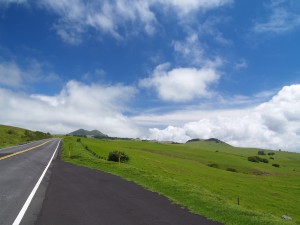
x=82, y=196
x=73, y=195
x=20, y=169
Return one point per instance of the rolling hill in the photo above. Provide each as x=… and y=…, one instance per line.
x=10, y=135
x=213, y=140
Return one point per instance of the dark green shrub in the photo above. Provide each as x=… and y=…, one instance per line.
x=271, y=153
x=78, y=140
x=231, y=170
x=257, y=159
x=10, y=131
x=253, y=159
x=275, y=165
x=261, y=152
x=214, y=165
x=272, y=158
x=115, y=156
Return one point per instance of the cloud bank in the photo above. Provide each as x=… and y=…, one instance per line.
x=274, y=124
x=77, y=106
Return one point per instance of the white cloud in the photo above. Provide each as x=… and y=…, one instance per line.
x=190, y=50
x=181, y=117
x=106, y=17
x=282, y=18
x=182, y=84
x=171, y=133
x=7, y=2
x=12, y=75
x=184, y=7
x=274, y=124
x=111, y=17
x=76, y=106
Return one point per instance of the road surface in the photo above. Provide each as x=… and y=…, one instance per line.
x=74, y=195
x=21, y=167
x=82, y=196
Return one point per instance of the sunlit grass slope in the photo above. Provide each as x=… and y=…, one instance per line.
x=181, y=172
x=10, y=136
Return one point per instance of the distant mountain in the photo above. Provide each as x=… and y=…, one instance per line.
x=194, y=140
x=215, y=140
x=93, y=133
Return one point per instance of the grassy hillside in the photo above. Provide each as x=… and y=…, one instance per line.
x=10, y=136
x=196, y=176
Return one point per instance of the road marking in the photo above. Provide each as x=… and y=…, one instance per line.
x=30, y=197
x=25, y=150
x=17, y=145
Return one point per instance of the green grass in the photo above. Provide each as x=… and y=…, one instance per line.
x=181, y=172
x=10, y=136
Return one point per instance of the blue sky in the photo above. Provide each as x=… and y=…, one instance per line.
x=165, y=70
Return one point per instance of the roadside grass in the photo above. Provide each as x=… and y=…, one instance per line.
x=10, y=136
x=181, y=173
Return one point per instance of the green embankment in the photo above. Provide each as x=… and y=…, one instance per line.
x=10, y=136
x=181, y=172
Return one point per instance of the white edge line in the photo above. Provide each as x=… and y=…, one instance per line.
x=30, y=197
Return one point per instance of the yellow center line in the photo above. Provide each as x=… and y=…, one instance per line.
x=25, y=150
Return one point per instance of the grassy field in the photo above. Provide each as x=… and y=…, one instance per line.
x=181, y=172
x=10, y=136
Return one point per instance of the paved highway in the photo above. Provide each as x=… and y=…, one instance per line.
x=82, y=196
x=22, y=169
x=76, y=195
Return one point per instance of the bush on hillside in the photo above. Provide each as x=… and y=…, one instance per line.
x=115, y=156
x=214, y=165
x=271, y=153
x=275, y=165
x=257, y=159
x=231, y=170
x=253, y=159
x=261, y=152
x=11, y=131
